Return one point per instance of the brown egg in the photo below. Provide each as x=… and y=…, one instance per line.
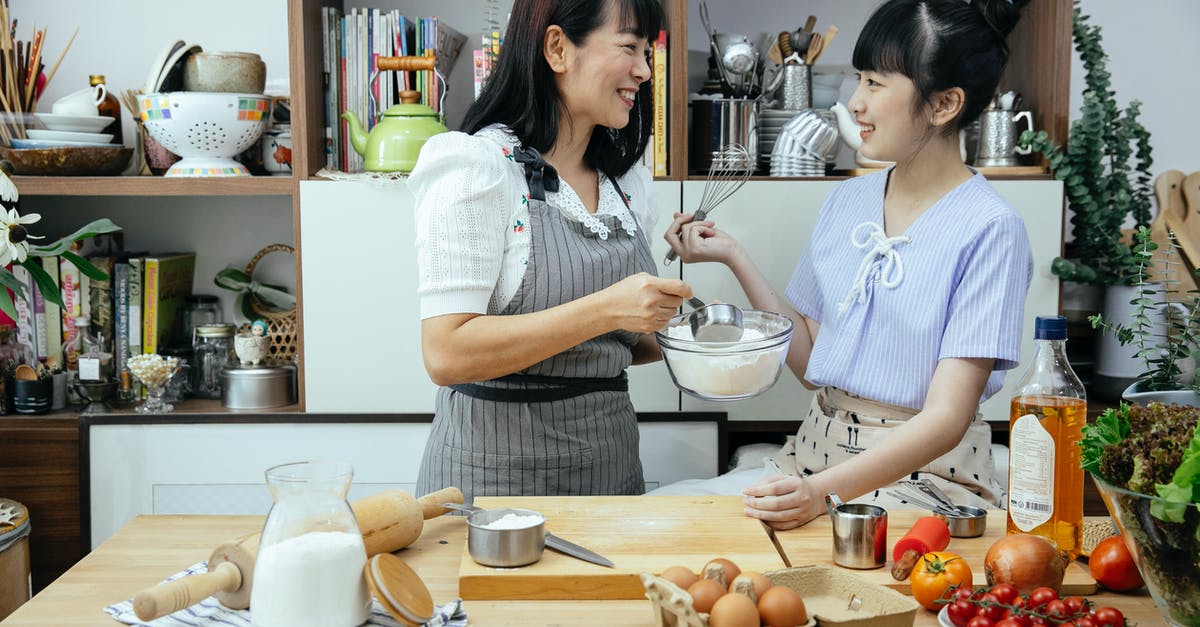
x=705, y=593
x=780, y=606
x=733, y=610
x=681, y=576
x=731, y=569
x=758, y=580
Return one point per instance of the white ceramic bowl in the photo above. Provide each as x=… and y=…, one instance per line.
x=206, y=129
x=69, y=136
x=74, y=123
x=727, y=371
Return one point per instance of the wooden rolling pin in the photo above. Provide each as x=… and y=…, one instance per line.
x=389, y=521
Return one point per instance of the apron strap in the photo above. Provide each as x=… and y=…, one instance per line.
x=539, y=175
x=562, y=388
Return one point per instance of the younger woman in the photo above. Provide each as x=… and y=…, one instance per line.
x=909, y=298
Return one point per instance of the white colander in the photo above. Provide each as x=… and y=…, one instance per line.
x=206, y=129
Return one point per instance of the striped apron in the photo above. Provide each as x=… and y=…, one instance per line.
x=566, y=425
x=839, y=425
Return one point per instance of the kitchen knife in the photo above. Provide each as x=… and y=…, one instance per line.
x=574, y=550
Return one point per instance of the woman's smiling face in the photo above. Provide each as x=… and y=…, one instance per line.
x=883, y=105
x=599, y=81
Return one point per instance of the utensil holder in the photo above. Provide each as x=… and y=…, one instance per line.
x=719, y=122
x=795, y=92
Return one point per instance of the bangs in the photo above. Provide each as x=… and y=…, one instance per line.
x=643, y=18
x=894, y=42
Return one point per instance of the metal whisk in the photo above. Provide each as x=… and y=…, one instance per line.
x=731, y=167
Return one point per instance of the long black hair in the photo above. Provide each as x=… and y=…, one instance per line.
x=941, y=44
x=521, y=92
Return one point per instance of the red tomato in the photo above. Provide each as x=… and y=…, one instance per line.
x=981, y=621
x=1005, y=592
x=1010, y=622
x=963, y=592
x=1112, y=566
x=1075, y=604
x=1085, y=621
x=960, y=612
x=1109, y=617
x=990, y=610
x=1057, y=609
x=1040, y=597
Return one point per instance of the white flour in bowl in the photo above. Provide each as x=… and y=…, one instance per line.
x=514, y=521
x=311, y=580
x=719, y=375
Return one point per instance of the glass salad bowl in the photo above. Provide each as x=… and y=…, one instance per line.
x=727, y=371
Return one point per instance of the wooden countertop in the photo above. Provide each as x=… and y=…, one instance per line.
x=151, y=548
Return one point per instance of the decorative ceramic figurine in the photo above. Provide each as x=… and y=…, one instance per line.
x=254, y=347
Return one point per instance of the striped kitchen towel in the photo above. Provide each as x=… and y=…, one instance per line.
x=211, y=612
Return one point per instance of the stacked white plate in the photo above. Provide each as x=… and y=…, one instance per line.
x=74, y=123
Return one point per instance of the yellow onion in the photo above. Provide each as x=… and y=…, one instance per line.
x=1025, y=561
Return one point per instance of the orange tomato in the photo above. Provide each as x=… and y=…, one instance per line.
x=935, y=577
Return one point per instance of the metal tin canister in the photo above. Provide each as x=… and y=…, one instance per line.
x=260, y=387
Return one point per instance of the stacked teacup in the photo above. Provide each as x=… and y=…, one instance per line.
x=74, y=120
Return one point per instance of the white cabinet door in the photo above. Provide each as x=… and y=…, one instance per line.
x=362, y=328
x=217, y=468
x=774, y=219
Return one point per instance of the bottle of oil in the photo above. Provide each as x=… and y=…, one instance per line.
x=1048, y=411
x=110, y=107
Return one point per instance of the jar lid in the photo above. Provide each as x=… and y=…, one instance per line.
x=399, y=589
x=14, y=522
x=258, y=373
x=216, y=329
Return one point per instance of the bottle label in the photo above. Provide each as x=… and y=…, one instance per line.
x=1030, y=474
x=89, y=368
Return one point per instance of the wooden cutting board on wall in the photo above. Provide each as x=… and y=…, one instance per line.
x=813, y=544
x=637, y=533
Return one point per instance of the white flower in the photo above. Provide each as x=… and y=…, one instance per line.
x=14, y=245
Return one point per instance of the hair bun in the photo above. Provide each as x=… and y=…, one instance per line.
x=1002, y=15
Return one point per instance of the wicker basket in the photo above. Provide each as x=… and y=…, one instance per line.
x=281, y=325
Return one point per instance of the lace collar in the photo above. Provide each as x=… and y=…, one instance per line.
x=566, y=199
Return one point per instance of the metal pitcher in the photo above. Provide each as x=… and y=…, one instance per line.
x=859, y=533
x=998, y=132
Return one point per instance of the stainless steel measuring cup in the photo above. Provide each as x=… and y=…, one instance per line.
x=718, y=322
x=859, y=533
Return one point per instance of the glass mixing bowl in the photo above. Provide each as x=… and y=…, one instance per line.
x=1165, y=551
x=727, y=371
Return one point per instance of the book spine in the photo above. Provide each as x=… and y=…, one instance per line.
x=54, y=327
x=136, y=277
x=39, y=321
x=26, y=325
x=121, y=315
x=150, y=307
x=660, y=104
x=68, y=276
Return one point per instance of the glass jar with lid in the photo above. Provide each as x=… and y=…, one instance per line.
x=212, y=352
x=198, y=309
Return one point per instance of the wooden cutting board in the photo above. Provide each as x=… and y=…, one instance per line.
x=813, y=544
x=637, y=533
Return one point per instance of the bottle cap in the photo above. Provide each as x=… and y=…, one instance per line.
x=95, y=79
x=1050, y=328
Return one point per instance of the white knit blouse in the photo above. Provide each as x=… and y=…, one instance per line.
x=472, y=219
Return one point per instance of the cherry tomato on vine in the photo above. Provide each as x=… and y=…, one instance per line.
x=990, y=611
x=960, y=612
x=1010, y=622
x=1040, y=597
x=1109, y=617
x=1075, y=604
x=980, y=621
x=1057, y=609
x=1005, y=592
x=1084, y=621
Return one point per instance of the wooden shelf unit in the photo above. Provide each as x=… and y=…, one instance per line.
x=153, y=186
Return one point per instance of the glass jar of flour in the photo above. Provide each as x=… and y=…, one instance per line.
x=309, y=570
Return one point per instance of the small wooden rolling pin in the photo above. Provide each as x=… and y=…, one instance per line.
x=389, y=521
x=929, y=533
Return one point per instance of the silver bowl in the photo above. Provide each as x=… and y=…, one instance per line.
x=505, y=548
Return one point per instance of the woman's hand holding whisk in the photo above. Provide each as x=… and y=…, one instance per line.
x=694, y=241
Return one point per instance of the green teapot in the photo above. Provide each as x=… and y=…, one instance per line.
x=396, y=139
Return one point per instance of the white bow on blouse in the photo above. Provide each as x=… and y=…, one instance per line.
x=880, y=256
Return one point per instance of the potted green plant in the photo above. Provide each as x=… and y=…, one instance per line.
x=1162, y=328
x=1105, y=167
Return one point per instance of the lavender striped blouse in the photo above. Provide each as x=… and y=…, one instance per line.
x=953, y=285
